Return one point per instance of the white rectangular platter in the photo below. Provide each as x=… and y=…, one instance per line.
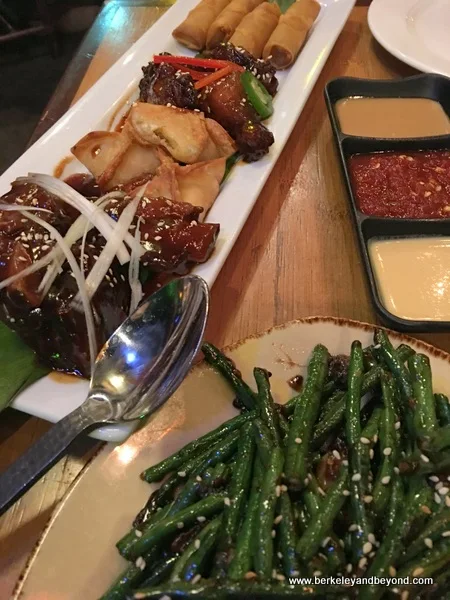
x=51, y=399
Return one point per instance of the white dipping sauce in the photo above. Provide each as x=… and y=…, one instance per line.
x=413, y=276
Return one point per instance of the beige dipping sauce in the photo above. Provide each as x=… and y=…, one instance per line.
x=392, y=117
x=413, y=276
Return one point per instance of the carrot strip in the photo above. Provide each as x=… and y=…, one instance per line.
x=213, y=77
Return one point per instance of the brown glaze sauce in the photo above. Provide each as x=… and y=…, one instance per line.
x=118, y=110
x=120, y=125
x=84, y=184
x=60, y=167
x=287, y=361
x=296, y=382
x=63, y=377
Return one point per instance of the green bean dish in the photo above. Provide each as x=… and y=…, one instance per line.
x=342, y=492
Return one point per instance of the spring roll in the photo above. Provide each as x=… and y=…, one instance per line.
x=290, y=34
x=225, y=25
x=255, y=29
x=192, y=31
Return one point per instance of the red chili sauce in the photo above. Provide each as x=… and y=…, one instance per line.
x=415, y=185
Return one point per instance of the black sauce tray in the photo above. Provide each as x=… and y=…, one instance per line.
x=434, y=87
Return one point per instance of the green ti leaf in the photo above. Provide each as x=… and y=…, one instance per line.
x=19, y=366
x=284, y=4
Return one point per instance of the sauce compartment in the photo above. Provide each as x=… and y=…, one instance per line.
x=430, y=95
x=407, y=267
x=436, y=186
x=397, y=225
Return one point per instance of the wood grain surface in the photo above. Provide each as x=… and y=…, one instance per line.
x=297, y=255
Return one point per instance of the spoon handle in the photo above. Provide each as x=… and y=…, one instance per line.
x=40, y=457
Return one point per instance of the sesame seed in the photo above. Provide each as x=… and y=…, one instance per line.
x=447, y=500
x=137, y=533
x=278, y=491
x=386, y=480
x=181, y=473
x=317, y=573
x=387, y=451
x=425, y=509
x=444, y=491
x=284, y=488
x=437, y=498
x=418, y=571
x=140, y=563
x=280, y=577
x=274, y=573
x=368, y=499
x=392, y=571
x=362, y=563
x=345, y=493
x=250, y=575
x=424, y=458
x=196, y=579
x=341, y=543
x=227, y=501
x=371, y=453
x=274, y=533
x=278, y=519
x=434, y=478
x=298, y=440
x=321, y=491
x=157, y=238
x=397, y=425
x=364, y=440
x=396, y=470
x=180, y=525
x=198, y=478
x=201, y=519
x=336, y=454
x=446, y=534
x=349, y=567
x=375, y=439
x=356, y=477
x=371, y=538
x=353, y=527
x=345, y=462
x=197, y=544
x=367, y=548
x=325, y=541
x=428, y=542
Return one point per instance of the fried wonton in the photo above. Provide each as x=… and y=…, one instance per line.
x=197, y=184
x=186, y=135
x=116, y=158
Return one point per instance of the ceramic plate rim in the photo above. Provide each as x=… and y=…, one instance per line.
x=374, y=18
x=341, y=322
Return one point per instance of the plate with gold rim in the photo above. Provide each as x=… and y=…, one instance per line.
x=76, y=556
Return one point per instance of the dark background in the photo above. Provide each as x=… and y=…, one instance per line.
x=30, y=67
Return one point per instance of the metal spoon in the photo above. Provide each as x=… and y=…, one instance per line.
x=136, y=371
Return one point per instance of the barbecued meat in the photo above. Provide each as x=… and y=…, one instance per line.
x=226, y=102
x=170, y=234
x=261, y=69
x=165, y=84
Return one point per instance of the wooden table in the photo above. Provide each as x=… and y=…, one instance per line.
x=297, y=255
